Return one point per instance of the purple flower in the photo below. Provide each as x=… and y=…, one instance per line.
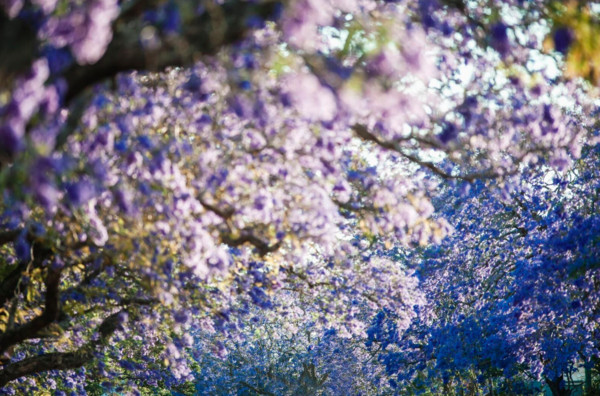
x=245, y=85
x=449, y=133
x=312, y=100
x=45, y=193
x=23, y=248
x=563, y=39
x=260, y=298
x=255, y=22
x=193, y=84
x=124, y=199
x=46, y=5
x=181, y=316
x=123, y=317
x=80, y=192
x=427, y=9
x=172, y=21
x=12, y=7
x=499, y=38
x=57, y=264
x=241, y=106
x=11, y=141
x=548, y=115
x=58, y=59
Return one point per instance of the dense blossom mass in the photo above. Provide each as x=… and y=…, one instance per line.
x=521, y=286
x=297, y=197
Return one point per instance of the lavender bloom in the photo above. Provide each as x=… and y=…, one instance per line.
x=12, y=7
x=563, y=39
x=80, y=192
x=499, y=38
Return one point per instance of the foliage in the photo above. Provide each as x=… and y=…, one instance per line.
x=513, y=294
x=172, y=171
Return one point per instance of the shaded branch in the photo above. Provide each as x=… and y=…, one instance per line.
x=362, y=132
x=18, y=48
x=138, y=301
x=61, y=360
x=303, y=277
x=50, y=314
x=126, y=52
x=248, y=237
x=91, y=275
x=8, y=236
x=256, y=390
x=10, y=283
x=225, y=214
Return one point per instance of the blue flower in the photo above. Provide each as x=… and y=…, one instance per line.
x=563, y=39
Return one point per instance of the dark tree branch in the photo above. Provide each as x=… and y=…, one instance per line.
x=225, y=214
x=138, y=301
x=126, y=52
x=248, y=237
x=61, y=360
x=18, y=48
x=362, y=132
x=354, y=206
x=10, y=283
x=50, y=314
x=256, y=390
x=8, y=236
x=305, y=278
x=46, y=362
x=91, y=275
x=199, y=36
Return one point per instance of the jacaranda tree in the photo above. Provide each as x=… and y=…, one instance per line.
x=170, y=167
x=512, y=295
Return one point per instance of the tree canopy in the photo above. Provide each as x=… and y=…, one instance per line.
x=297, y=196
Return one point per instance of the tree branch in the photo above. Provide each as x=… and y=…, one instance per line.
x=256, y=390
x=8, y=236
x=10, y=283
x=225, y=214
x=17, y=48
x=248, y=237
x=362, y=132
x=61, y=360
x=50, y=314
x=126, y=52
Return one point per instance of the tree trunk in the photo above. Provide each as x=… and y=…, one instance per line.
x=588, y=379
x=558, y=387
